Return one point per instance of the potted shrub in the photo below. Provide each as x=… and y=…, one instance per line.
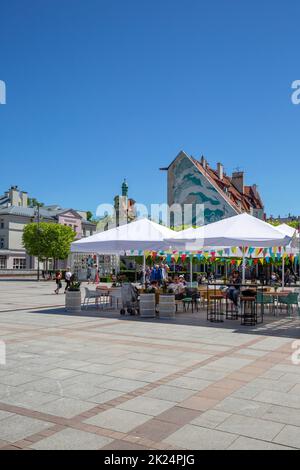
x=147, y=303
x=167, y=304
x=73, y=297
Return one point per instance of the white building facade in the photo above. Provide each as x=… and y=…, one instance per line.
x=15, y=214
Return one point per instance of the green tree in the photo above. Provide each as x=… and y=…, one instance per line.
x=292, y=223
x=48, y=240
x=33, y=202
x=91, y=218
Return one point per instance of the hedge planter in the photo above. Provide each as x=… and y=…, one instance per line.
x=166, y=306
x=73, y=301
x=147, y=305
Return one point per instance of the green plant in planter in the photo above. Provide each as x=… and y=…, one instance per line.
x=74, y=286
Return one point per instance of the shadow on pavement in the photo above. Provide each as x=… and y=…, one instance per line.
x=283, y=326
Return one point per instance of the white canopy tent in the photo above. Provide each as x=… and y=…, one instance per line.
x=294, y=246
x=139, y=235
x=241, y=230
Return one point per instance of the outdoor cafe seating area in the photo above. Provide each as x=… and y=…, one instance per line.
x=251, y=240
x=211, y=300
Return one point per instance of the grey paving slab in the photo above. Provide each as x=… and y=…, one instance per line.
x=146, y=405
x=291, y=377
x=251, y=427
x=28, y=399
x=246, y=443
x=72, y=439
x=43, y=385
x=86, y=378
x=207, y=374
x=242, y=407
x=124, y=385
x=191, y=383
x=17, y=379
x=166, y=392
x=60, y=374
x=282, y=414
x=65, y=407
x=289, y=436
x=197, y=438
x=81, y=391
x=118, y=420
x=247, y=392
x=18, y=427
x=105, y=396
x=210, y=419
x=231, y=363
x=5, y=414
x=273, y=385
x=279, y=398
x=295, y=390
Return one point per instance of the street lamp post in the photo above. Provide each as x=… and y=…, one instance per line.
x=38, y=234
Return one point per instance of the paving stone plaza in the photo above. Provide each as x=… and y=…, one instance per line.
x=96, y=380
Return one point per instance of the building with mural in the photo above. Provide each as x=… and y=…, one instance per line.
x=194, y=182
x=15, y=213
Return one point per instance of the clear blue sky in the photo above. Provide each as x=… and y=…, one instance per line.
x=100, y=90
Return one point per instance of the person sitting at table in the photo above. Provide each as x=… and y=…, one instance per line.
x=154, y=285
x=233, y=292
x=178, y=287
x=274, y=279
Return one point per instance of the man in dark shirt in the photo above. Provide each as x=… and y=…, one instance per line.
x=233, y=292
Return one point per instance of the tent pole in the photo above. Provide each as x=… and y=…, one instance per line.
x=244, y=269
x=282, y=275
x=191, y=270
x=144, y=269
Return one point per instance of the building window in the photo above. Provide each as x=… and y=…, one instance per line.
x=19, y=263
x=1, y=223
x=2, y=262
x=1, y=243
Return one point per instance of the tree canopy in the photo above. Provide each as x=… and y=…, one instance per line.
x=33, y=202
x=292, y=223
x=48, y=240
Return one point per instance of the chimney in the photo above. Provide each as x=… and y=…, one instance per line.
x=24, y=199
x=14, y=195
x=220, y=170
x=203, y=162
x=238, y=181
x=255, y=190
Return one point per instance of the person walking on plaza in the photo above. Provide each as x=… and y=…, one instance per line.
x=58, y=277
x=68, y=276
x=89, y=274
x=97, y=277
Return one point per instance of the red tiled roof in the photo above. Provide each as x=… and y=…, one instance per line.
x=242, y=202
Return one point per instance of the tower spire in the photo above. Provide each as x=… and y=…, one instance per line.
x=124, y=188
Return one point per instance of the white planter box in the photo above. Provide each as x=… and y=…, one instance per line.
x=166, y=306
x=147, y=305
x=73, y=301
